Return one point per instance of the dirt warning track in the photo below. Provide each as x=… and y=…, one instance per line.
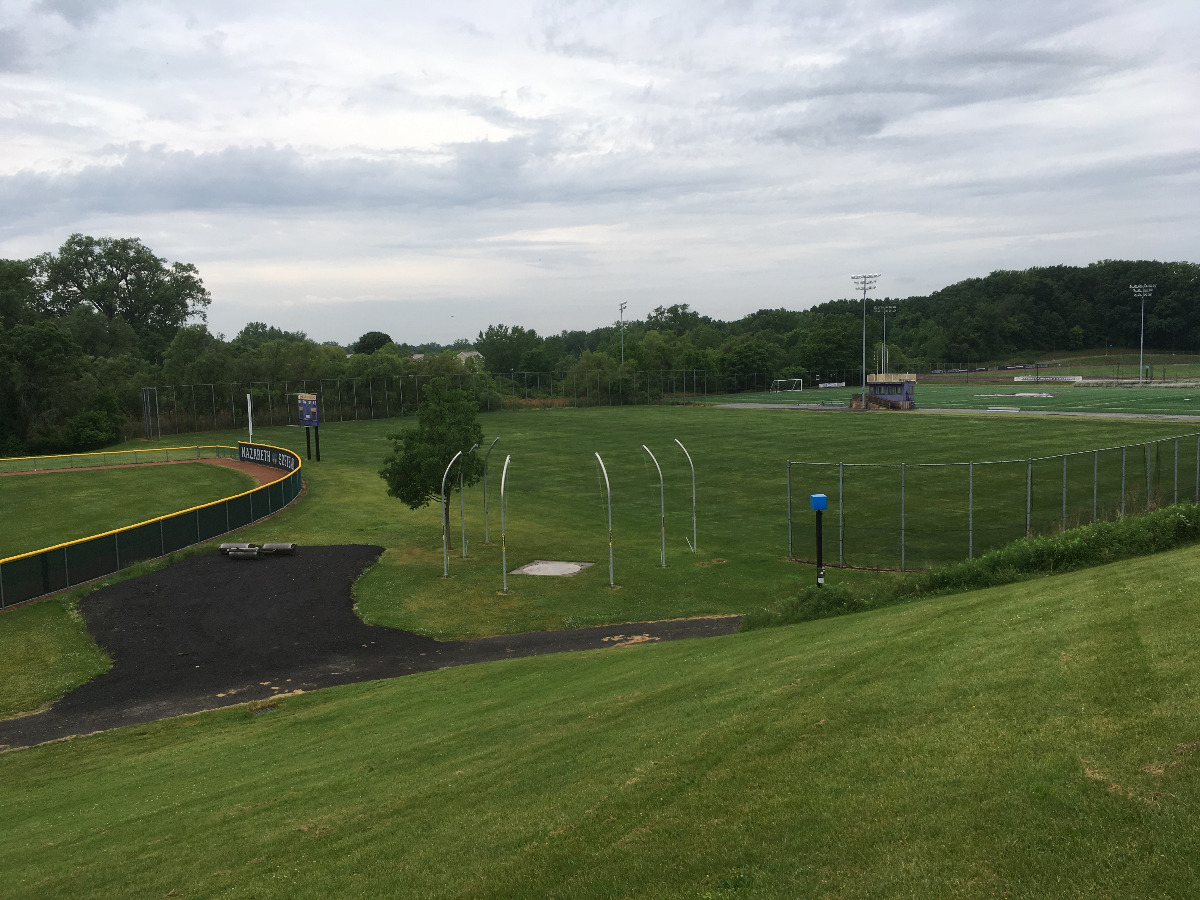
x=211, y=632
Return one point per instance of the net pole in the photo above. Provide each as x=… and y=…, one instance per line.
x=608, y=491
x=1095, y=483
x=901, y=517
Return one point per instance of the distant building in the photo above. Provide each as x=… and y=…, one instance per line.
x=471, y=358
x=890, y=391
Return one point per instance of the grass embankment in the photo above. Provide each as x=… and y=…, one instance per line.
x=1080, y=548
x=55, y=507
x=1040, y=740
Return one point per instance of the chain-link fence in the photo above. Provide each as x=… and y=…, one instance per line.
x=176, y=409
x=40, y=572
x=915, y=515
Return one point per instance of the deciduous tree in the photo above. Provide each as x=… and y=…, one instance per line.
x=447, y=423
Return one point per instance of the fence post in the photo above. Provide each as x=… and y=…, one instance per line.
x=901, y=516
x=791, y=555
x=1175, y=497
x=1064, y=494
x=970, y=510
x=1198, y=468
x=1095, y=483
x=841, y=521
x=1122, y=513
x=1147, y=476
x=1029, y=499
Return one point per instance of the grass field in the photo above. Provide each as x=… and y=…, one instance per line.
x=54, y=507
x=979, y=395
x=1039, y=740
x=556, y=511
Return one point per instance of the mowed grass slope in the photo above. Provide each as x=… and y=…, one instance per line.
x=48, y=508
x=1038, y=740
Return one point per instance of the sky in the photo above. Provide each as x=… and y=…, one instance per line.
x=427, y=170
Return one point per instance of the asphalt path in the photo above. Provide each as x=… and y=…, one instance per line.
x=211, y=632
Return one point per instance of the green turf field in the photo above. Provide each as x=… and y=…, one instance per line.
x=54, y=507
x=1038, y=740
x=1173, y=401
x=556, y=511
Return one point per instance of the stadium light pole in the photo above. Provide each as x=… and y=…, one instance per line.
x=1142, y=291
x=864, y=283
x=883, y=360
x=623, y=305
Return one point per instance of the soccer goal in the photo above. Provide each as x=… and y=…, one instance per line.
x=787, y=384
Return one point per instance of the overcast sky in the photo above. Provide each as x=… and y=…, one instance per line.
x=429, y=169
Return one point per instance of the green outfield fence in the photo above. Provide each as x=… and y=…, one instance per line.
x=31, y=575
x=915, y=515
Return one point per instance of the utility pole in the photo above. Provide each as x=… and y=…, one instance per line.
x=1142, y=291
x=864, y=283
x=623, y=305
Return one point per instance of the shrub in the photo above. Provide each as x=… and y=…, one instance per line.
x=1080, y=548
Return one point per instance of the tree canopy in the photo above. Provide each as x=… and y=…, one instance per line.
x=121, y=278
x=371, y=342
x=447, y=422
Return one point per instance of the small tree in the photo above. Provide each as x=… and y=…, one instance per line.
x=446, y=424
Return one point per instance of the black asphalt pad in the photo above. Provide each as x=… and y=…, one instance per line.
x=212, y=631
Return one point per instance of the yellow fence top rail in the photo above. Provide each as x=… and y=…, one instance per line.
x=92, y=537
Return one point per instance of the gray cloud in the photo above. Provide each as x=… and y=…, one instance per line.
x=79, y=13
x=731, y=154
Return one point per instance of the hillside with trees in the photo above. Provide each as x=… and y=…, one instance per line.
x=84, y=329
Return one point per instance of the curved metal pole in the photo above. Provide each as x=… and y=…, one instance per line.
x=608, y=489
x=462, y=503
x=487, y=540
x=503, y=548
x=662, y=499
x=442, y=513
x=689, y=459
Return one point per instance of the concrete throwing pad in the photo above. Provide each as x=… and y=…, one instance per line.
x=551, y=567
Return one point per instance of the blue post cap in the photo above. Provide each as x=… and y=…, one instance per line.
x=818, y=501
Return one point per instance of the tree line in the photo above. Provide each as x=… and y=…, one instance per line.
x=83, y=329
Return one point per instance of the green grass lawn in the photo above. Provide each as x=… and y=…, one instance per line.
x=556, y=511
x=55, y=507
x=976, y=394
x=1037, y=740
